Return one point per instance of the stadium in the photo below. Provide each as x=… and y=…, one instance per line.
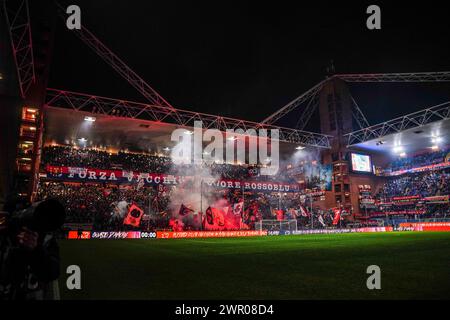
x=347, y=193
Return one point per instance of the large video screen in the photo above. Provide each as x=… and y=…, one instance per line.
x=361, y=163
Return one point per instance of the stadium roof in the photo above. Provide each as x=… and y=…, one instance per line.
x=67, y=127
x=71, y=127
x=418, y=131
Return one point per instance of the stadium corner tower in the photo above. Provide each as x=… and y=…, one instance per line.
x=337, y=120
x=26, y=46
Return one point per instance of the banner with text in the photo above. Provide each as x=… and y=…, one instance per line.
x=76, y=174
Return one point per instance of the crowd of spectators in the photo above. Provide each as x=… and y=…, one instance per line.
x=101, y=159
x=429, y=183
x=437, y=210
x=419, y=160
x=75, y=157
x=423, y=184
x=96, y=204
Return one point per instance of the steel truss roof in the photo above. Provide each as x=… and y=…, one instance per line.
x=397, y=77
x=413, y=120
x=310, y=94
x=356, y=111
x=135, y=110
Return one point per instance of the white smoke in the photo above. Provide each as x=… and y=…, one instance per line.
x=193, y=192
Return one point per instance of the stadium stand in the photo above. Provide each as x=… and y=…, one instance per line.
x=419, y=160
x=424, y=184
x=401, y=196
x=418, y=190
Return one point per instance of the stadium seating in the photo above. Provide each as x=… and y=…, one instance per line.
x=96, y=203
x=421, y=186
x=424, y=184
x=419, y=160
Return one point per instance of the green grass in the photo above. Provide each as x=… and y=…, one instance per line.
x=413, y=266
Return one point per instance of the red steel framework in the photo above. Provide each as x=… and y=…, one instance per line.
x=136, y=110
x=17, y=18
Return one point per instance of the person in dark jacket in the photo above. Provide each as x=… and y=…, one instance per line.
x=29, y=263
x=28, y=268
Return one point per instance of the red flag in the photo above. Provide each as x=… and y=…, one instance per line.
x=237, y=208
x=215, y=217
x=304, y=211
x=337, y=215
x=134, y=216
x=107, y=192
x=219, y=217
x=184, y=210
x=209, y=216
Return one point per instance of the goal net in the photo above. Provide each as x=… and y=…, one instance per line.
x=275, y=225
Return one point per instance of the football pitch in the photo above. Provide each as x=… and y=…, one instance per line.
x=413, y=266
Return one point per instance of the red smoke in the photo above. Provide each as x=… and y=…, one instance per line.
x=222, y=215
x=176, y=224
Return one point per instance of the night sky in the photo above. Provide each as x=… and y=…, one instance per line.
x=246, y=59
